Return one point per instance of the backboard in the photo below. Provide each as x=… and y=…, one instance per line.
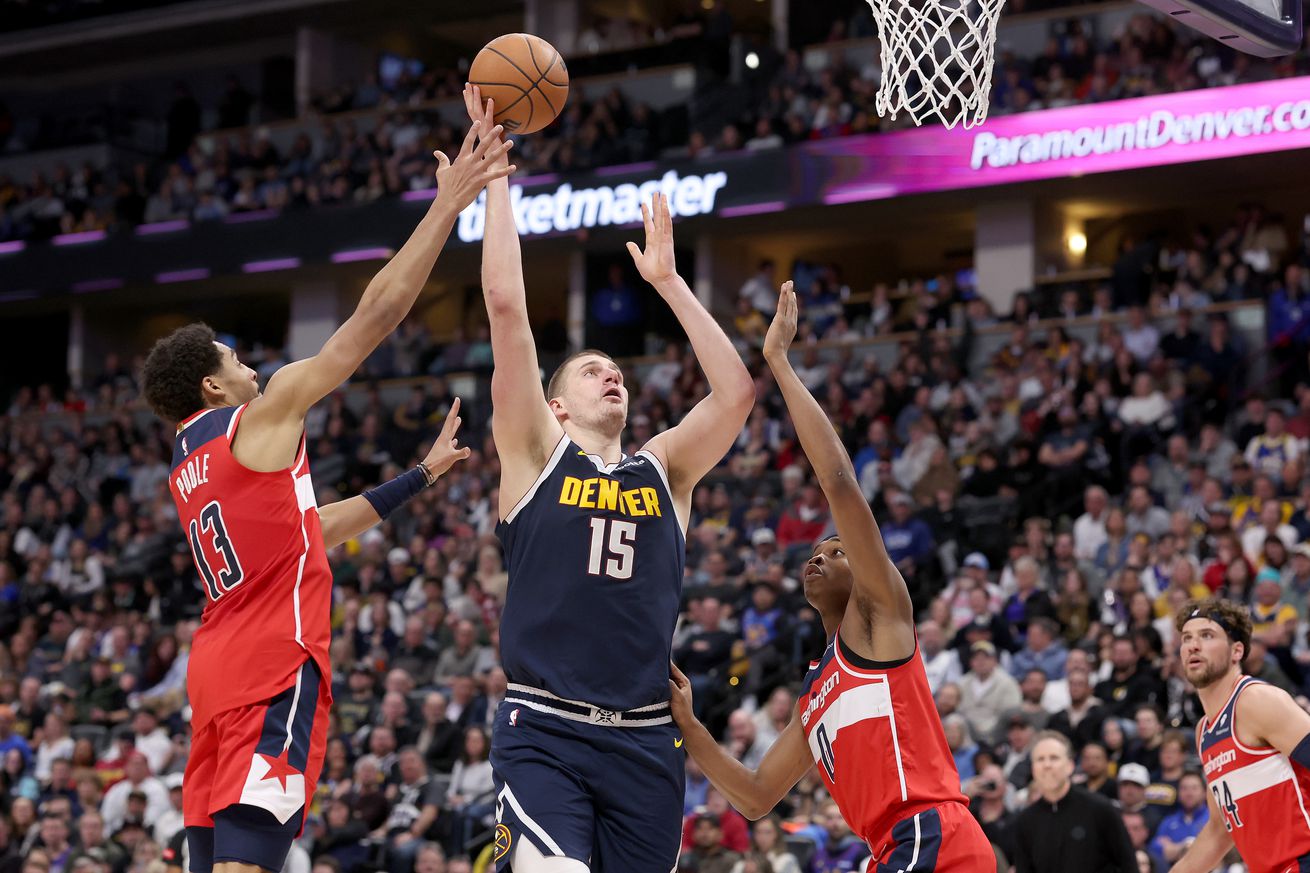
x=1267, y=28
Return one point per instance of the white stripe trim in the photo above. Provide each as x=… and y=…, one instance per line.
x=1206, y=726
x=1300, y=799
x=194, y=420
x=295, y=702
x=668, y=489
x=1254, y=778
x=1242, y=686
x=541, y=692
x=551, y=464
x=891, y=715
x=300, y=569
x=618, y=721
x=525, y=819
x=914, y=857
x=232, y=423
x=659, y=468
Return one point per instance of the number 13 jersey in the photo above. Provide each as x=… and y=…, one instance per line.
x=1262, y=796
x=874, y=731
x=258, y=548
x=595, y=554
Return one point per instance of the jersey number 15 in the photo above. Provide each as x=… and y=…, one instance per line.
x=613, y=548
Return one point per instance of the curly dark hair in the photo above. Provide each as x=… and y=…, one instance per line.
x=171, y=377
x=1234, y=618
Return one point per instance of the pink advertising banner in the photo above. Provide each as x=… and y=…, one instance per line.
x=1071, y=141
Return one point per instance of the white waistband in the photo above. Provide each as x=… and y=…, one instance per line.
x=591, y=714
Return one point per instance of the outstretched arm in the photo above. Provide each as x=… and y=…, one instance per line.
x=693, y=447
x=753, y=792
x=347, y=519
x=877, y=585
x=522, y=424
x=387, y=300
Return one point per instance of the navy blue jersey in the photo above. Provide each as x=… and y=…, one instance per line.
x=595, y=556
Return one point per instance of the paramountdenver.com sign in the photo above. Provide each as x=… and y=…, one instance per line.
x=1074, y=140
x=1160, y=128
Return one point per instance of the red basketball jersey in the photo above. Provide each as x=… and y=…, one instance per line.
x=259, y=550
x=1264, y=797
x=876, y=735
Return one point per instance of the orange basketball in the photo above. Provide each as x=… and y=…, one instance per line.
x=527, y=79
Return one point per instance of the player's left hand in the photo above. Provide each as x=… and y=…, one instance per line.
x=680, y=697
x=447, y=450
x=783, y=329
x=656, y=264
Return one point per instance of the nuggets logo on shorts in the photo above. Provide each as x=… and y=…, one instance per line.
x=503, y=838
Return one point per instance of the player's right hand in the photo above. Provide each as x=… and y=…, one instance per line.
x=459, y=183
x=680, y=697
x=480, y=111
x=783, y=329
x=447, y=450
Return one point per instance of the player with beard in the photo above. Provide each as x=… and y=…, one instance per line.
x=589, y=775
x=1255, y=747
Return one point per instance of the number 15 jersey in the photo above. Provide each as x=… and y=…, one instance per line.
x=595, y=554
x=258, y=548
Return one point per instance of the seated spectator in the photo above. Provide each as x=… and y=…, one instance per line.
x=1178, y=830
x=471, y=794
x=707, y=853
x=1042, y=649
x=1133, y=780
x=986, y=692
x=910, y=542
x=840, y=850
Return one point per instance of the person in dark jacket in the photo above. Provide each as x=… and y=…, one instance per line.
x=1067, y=828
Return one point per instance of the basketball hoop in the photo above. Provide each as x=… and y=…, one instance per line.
x=936, y=58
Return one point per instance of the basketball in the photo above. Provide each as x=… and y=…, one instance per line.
x=525, y=77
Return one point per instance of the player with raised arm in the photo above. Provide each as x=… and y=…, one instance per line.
x=588, y=773
x=1254, y=744
x=259, y=676
x=866, y=714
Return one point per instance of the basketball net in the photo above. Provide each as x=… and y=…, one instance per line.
x=937, y=58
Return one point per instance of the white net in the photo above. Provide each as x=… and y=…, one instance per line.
x=937, y=58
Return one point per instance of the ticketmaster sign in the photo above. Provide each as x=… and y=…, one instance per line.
x=567, y=208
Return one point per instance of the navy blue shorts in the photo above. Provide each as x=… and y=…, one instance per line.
x=610, y=797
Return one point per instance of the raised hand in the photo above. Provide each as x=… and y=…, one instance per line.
x=656, y=263
x=459, y=183
x=783, y=329
x=479, y=111
x=446, y=450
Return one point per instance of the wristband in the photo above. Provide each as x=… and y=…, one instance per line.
x=390, y=496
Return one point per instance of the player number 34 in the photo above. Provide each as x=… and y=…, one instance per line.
x=613, y=548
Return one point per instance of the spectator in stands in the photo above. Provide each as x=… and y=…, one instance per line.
x=707, y=854
x=840, y=849
x=1178, y=830
x=985, y=691
x=1089, y=528
x=136, y=778
x=1129, y=685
